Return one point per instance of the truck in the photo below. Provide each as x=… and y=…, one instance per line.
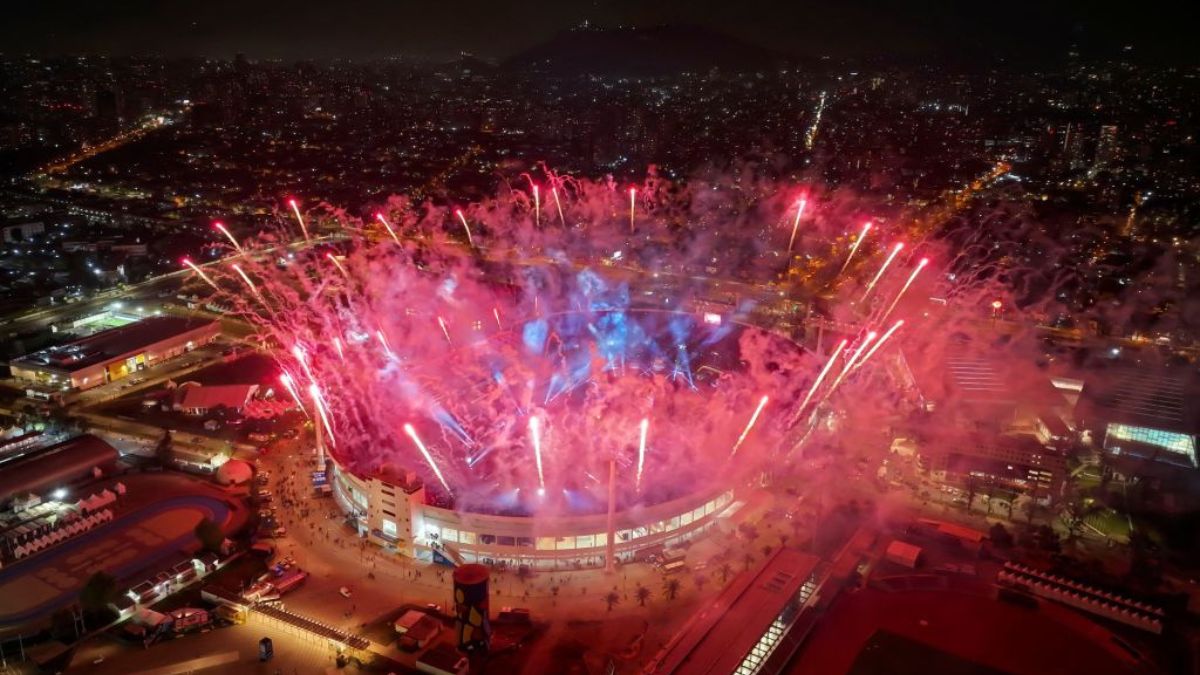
x=290, y=581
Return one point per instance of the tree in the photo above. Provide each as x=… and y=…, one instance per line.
x=642, y=594
x=1000, y=536
x=163, y=450
x=99, y=591
x=671, y=588
x=210, y=535
x=611, y=599
x=726, y=571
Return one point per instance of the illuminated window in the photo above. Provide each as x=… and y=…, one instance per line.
x=673, y=524
x=1182, y=445
x=388, y=527
x=465, y=537
x=686, y=519
x=565, y=543
x=449, y=534
x=585, y=541
x=601, y=539
x=545, y=543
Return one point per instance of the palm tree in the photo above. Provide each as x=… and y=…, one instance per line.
x=642, y=594
x=671, y=588
x=611, y=598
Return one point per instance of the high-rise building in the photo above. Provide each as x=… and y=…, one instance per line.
x=1107, y=148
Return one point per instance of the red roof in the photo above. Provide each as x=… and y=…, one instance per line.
x=208, y=397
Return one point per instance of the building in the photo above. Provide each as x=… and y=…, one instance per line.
x=113, y=354
x=56, y=467
x=1143, y=413
x=749, y=625
x=1018, y=463
x=192, y=398
x=390, y=509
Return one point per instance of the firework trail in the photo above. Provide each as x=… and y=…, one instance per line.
x=466, y=227
x=199, y=271
x=536, y=436
x=641, y=461
x=558, y=205
x=762, y=403
x=253, y=289
x=300, y=218
x=883, y=268
x=854, y=247
x=879, y=344
x=817, y=383
x=386, y=224
x=220, y=227
x=917, y=270
x=412, y=434
x=800, y=204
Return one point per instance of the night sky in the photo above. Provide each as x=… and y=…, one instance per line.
x=323, y=29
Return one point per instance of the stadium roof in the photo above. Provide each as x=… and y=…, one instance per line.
x=718, y=638
x=1155, y=398
x=112, y=344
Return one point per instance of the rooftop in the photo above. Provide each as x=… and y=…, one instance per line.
x=112, y=344
x=1154, y=398
x=720, y=637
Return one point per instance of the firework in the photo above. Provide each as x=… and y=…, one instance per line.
x=632, y=204
x=537, y=206
x=879, y=344
x=290, y=385
x=536, y=436
x=445, y=331
x=762, y=403
x=558, y=205
x=220, y=227
x=337, y=344
x=296, y=209
x=641, y=462
x=387, y=349
x=199, y=271
x=386, y=224
x=820, y=378
x=412, y=433
x=800, y=204
x=888, y=261
x=302, y=358
x=850, y=363
x=322, y=411
x=911, y=277
x=466, y=227
x=857, y=242
x=496, y=313
x=333, y=259
x=245, y=277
